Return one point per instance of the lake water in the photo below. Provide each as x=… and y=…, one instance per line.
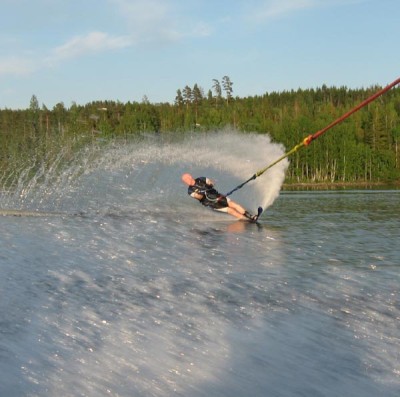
x=122, y=285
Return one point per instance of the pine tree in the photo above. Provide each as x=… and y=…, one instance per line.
x=218, y=91
x=197, y=97
x=179, y=98
x=227, y=84
x=34, y=110
x=187, y=96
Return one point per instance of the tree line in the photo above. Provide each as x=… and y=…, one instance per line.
x=363, y=148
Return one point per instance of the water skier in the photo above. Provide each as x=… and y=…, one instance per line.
x=202, y=189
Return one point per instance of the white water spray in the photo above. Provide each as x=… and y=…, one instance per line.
x=146, y=174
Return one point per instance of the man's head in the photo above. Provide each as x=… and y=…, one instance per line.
x=188, y=179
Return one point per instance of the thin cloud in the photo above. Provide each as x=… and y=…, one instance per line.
x=93, y=42
x=147, y=20
x=153, y=21
x=79, y=46
x=279, y=8
x=272, y=9
x=158, y=21
x=201, y=30
x=16, y=66
x=143, y=13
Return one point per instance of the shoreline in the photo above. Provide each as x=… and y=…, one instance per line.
x=341, y=186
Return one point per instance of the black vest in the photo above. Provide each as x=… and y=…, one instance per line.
x=210, y=194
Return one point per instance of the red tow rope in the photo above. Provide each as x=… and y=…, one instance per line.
x=306, y=141
x=310, y=138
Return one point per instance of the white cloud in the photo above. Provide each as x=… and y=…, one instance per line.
x=151, y=21
x=78, y=46
x=93, y=42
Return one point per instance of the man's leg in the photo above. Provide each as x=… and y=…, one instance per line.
x=238, y=211
x=231, y=211
x=237, y=207
x=234, y=212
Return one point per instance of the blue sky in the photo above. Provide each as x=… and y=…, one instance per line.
x=79, y=51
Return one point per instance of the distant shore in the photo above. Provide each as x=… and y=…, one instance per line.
x=341, y=186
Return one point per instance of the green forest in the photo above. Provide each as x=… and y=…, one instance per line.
x=362, y=149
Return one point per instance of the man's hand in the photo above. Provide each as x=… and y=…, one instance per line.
x=209, y=182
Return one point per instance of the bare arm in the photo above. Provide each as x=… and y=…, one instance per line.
x=197, y=196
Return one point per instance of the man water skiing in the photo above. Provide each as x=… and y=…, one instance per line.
x=202, y=189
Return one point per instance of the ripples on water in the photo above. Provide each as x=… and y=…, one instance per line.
x=136, y=290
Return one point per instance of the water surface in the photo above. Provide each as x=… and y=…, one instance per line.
x=125, y=286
